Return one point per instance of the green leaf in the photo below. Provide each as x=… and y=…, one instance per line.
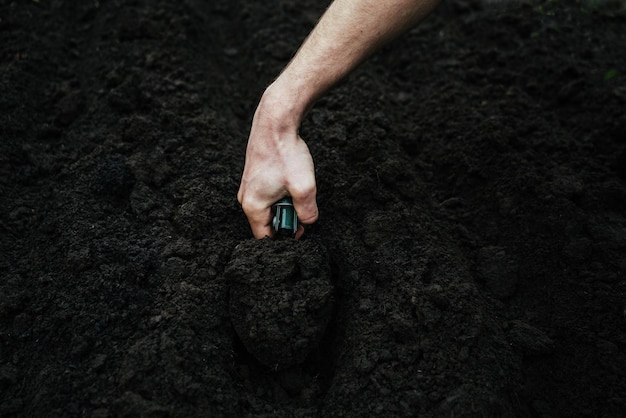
x=610, y=74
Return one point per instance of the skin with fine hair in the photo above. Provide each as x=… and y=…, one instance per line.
x=278, y=162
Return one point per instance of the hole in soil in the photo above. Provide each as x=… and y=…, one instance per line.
x=242, y=356
x=428, y=275
x=324, y=359
x=321, y=363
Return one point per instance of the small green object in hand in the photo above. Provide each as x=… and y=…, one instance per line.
x=285, y=222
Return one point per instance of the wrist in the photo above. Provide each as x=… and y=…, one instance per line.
x=288, y=98
x=276, y=120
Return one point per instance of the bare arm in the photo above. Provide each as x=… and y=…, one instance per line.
x=278, y=162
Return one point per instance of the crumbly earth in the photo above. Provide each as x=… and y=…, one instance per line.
x=469, y=259
x=281, y=298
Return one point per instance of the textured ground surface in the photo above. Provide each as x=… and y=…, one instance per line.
x=469, y=259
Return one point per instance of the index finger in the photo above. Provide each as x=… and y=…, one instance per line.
x=260, y=220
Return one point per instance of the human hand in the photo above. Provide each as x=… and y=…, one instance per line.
x=278, y=164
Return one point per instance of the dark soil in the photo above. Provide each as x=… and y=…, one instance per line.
x=470, y=255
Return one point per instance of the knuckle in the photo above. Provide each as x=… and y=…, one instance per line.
x=303, y=191
x=250, y=206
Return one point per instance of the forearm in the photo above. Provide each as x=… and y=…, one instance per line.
x=278, y=162
x=347, y=33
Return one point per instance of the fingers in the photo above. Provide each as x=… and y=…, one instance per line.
x=260, y=229
x=299, y=232
x=306, y=209
x=259, y=217
x=305, y=204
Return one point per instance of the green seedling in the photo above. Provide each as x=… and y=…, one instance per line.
x=610, y=74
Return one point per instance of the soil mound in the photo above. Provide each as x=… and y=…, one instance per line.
x=281, y=298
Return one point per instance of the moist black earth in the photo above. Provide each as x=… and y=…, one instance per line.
x=468, y=260
x=281, y=299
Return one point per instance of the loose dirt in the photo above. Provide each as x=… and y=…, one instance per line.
x=469, y=259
